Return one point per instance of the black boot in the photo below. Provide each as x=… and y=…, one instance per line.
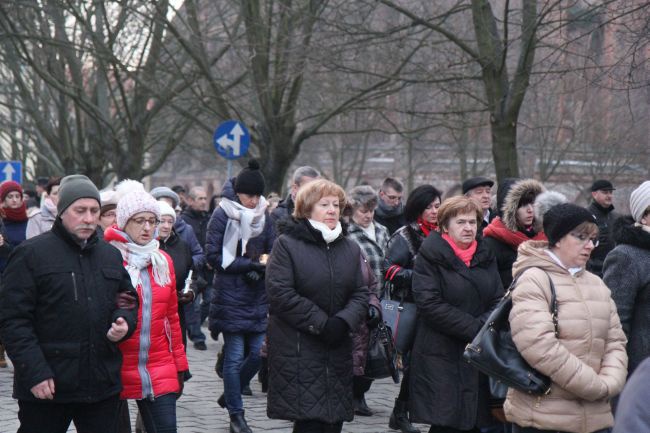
x=238, y=423
x=263, y=375
x=361, y=407
x=399, y=419
x=218, y=367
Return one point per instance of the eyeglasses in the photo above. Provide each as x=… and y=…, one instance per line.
x=140, y=222
x=109, y=214
x=582, y=237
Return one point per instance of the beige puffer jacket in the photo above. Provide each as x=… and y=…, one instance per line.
x=587, y=363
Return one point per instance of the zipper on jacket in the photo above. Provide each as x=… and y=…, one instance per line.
x=74, y=285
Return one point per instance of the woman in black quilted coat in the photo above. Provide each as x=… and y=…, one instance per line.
x=316, y=298
x=455, y=286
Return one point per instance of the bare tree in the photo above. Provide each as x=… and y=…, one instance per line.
x=89, y=77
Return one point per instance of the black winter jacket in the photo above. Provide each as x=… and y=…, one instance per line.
x=283, y=210
x=199, y=222
x=309, y=281
x=57, y=303
x=453, y=302
x=401, y=251
x=605, y=219
x=181, y=255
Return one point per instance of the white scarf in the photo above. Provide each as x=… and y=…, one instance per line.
x=330, y=235
x=243, y=223
x=139, y=257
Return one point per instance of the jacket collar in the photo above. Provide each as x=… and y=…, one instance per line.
x=301, y=229
x=59, y=230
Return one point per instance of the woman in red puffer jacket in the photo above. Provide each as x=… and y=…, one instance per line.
x=154, y=358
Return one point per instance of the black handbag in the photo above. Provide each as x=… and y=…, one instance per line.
x=494, y=353
x=381, y=361
x=400, y=316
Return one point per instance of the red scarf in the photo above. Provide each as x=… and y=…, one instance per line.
x=426, y=226
x=18, y=214
x=465, y=255
x=500, y=232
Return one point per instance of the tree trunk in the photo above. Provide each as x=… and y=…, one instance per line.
x=281, y=151
x=504, y=148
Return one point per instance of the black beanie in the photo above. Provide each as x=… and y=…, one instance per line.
x=562, y=218
x=73, y=188
x=250, y=180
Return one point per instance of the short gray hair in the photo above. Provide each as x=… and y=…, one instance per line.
x=304, y=171
x=193, y=194
x=363, y=196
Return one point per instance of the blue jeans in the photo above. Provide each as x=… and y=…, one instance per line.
x=237, y=370
x=159, y=415
x=192, y=323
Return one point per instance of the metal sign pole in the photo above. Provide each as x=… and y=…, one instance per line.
x=229, y=171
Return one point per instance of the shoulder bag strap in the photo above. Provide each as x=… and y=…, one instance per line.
x=553, y=307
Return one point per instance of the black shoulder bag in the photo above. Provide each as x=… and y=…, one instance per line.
x=494, y=353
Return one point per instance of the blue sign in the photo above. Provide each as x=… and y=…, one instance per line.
x=231, y=139
x=11, y=170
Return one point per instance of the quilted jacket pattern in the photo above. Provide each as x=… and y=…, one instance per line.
x=307, y=282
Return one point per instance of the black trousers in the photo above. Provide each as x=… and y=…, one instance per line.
x=360, y=385
x=517, y=429
x=310, y=426
x=47, y=417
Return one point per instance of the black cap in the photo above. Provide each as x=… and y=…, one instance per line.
x=602, y=185
x=250, y=179
x=475, y=182
x=562, y=218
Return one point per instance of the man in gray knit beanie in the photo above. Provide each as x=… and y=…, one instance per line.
x=73, y=188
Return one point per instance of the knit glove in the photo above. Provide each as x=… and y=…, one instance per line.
x=335, y=331
x=252, y=278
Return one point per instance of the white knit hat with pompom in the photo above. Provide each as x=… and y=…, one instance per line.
x=133, y=199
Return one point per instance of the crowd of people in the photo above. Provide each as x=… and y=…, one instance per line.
x=103, y=291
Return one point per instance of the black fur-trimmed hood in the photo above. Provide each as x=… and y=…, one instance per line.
x=302, y=230
x=514, y=196
x=624, y=231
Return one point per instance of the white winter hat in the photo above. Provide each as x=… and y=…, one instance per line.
x=640, y=200
x=166, y=209
x=133, y=203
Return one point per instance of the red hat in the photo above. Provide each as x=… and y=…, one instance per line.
x=9, y=186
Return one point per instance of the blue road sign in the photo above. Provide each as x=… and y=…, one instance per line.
x=231, y=139
x=11, y=170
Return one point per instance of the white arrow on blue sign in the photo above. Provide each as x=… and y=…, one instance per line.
x=231, y=139
x=11, y=170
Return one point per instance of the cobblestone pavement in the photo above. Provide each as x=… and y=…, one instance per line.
x=198, y=411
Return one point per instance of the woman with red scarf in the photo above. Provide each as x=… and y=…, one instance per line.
x=12, y=228
x=421, y=214
x=455, y=287
x=14, y=218
x=515, y=225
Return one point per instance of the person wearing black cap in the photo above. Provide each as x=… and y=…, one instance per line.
x=603, y=209
x=480, y=190
x=65, y=303
x=582, y=349
x=239, y=238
